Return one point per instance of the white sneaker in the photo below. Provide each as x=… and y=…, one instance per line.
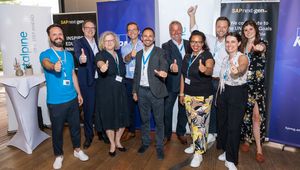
x=230, y=165
x=196, y=161
x=222, y=157
x=190, y=149
x=81, y=155
x=58, y=162
x=211, y=138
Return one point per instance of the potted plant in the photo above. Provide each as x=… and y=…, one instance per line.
x=17, y=67
x=28, y=70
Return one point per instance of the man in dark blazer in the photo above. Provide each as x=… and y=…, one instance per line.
x=149, y=89
x=176, y=48
x=85, y=50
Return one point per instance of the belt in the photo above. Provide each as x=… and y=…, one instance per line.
x=216, y=78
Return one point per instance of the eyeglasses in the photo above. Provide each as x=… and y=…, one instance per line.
x=90, y=28
x=196, y=42
x=109, y=41
x=133, y=30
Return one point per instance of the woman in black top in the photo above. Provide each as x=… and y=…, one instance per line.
x=111, y=98
x=196, y=93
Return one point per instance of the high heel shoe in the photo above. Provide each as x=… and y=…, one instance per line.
x=112, y=154
x=123, y=149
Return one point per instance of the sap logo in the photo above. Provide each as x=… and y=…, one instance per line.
x=297, y=41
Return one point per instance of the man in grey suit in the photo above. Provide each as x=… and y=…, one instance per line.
x=149, y=89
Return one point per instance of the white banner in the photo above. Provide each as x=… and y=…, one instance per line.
x=22, y=38
x=206, y=15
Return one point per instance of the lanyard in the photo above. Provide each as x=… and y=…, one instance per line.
x=146, y=60
x=117, y=63
x=61, y=61
x=191, y=62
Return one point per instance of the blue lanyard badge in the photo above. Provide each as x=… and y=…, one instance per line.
x=146, y=60
x=61, y=61
x=191, y=62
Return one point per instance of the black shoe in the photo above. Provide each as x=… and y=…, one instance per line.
x=160, y=154
x=112, y=154
x=100, y=135
x=86, y=144
x=122, y=149
x=143, y=148
x=105, y=139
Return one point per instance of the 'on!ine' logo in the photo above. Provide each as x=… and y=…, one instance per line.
x=297, y=41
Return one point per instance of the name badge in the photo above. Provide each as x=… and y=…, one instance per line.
x=187, y=81
x=66, y=82
x=131, y=68
x=119, y=78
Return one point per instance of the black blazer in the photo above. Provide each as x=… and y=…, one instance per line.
x=173, y=79
x=86, y=71
x=156, y=61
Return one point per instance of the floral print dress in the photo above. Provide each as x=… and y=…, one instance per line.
x=256, y=93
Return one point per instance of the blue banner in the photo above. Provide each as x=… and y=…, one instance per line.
x=114, y=16
x=285, y=117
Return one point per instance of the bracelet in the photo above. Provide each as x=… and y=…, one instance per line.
x=181, y=94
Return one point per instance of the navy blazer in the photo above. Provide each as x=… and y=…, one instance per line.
x=86, y=71
x=156, y=61
x=172, y=51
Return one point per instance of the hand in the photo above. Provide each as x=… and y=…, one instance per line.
x=174, y=67
x=162, y=74
x=133, y=53
x=57, y=66
x=233, y=69
x=104, y=67
x=192, y=10
x=80, y=100
x=181, y=100
x=202, y=67
x=82, y=57
x=259, y=47
x=135, y=97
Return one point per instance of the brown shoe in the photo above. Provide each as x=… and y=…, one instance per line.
x=166, y=140
x=127, y=136
x=182, y=139
x=260, y=158
x=245, y=147
x=124, y=136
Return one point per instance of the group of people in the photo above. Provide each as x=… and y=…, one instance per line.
x=219, y=82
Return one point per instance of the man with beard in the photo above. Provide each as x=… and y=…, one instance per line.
x=216, y=45
x=63, y=94
x=176, y=48
x=150, y=90
x=85, y=50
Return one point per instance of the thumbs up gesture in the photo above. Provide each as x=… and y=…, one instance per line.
x=82, y=57
x=162, y=74
x=174, y=66
x=233, y=69
x=57, y=66
x=104, y=67
x=202, y=67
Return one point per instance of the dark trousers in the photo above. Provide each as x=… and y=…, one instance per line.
x=146, y=102
x=59, y=114
x=213, y=113
x=231, y=108
x=181, y=117
x=131, y=105
x=88, y=95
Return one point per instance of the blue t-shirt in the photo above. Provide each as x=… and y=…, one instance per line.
x=57, y=92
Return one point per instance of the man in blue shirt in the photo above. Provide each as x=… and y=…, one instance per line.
x=128, y=53
x=63, y=94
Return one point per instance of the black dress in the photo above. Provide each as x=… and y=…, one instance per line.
x=111, y=99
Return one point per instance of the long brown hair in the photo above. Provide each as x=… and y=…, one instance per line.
x=244, y=39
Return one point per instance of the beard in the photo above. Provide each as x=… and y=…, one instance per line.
x=56, y=43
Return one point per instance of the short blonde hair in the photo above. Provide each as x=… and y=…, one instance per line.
x=102, y=37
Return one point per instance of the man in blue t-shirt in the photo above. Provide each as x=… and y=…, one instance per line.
x=63, y=94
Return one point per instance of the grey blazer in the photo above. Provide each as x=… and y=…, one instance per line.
x=156, y=61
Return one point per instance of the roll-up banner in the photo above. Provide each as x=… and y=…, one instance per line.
x=266, y=16
x=285, y=111
x=72, y=25
x=22, y=38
